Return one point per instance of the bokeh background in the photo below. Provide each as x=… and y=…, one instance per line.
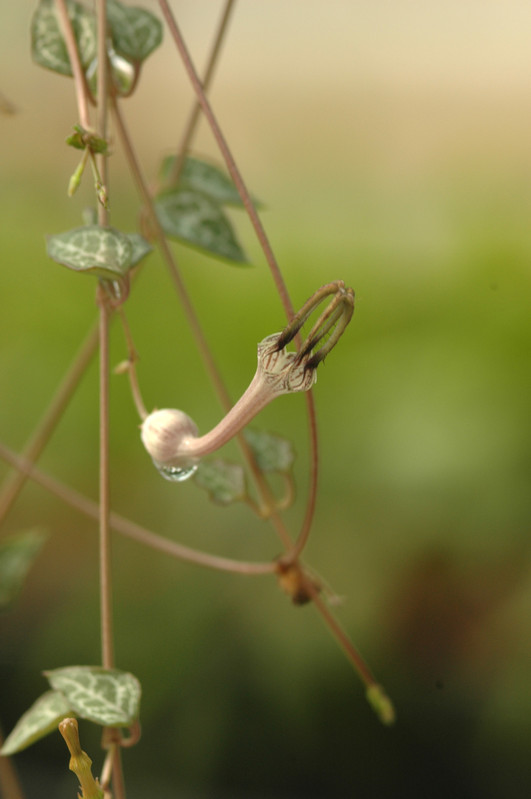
x=390, y=142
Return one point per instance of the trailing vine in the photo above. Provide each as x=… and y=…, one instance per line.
x=104, y=50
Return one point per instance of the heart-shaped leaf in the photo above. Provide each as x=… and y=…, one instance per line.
x=224, y=481
x=104, y=252
x=105, y=696
x=135, y=32
x=48, y=47
x=195, y=219
x=42, y=718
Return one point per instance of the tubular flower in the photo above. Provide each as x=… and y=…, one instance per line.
x=171, y=437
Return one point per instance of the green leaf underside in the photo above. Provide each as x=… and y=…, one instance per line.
x=206, y=178
x=135, y=32
x=223, y=481
x=17, y=554
x=273, y=453
x=104, y=252
x=195, y=219
x=105, y=696
x=48, y=47
x=42, y=718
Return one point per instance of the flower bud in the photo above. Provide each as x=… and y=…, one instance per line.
x=171, y=437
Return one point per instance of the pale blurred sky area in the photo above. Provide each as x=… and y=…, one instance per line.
x=474, y=42
x=396, y=83
x=322, y=45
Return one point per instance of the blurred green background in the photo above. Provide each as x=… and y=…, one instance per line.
x=390, y=144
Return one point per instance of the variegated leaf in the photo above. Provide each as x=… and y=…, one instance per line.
x=105, y=696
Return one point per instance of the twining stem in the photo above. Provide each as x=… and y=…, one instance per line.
x=118, y=782
x=102, y=98
x=191, y=125
x=342, y=638
x=147, y=538
x=304, y=532
x=131, y=529
x=107, y=646
x=375, y=693
x=104, y=496
x=340, y=311
x=269, y=255
x=43, y=431
x=132, y=358
x=82, y=91
x=106, y=624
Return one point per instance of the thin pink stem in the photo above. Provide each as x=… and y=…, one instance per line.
x=342, y=638
x=193, y=120
x=304, y=533
x=104, y=498
x=132, y=358
x=82, y=92
x=130, y=529
x=229, y=160
x=103, y=99
x=46, y=426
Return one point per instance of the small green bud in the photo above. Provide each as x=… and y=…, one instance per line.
x=381, y=704
x=75, y=180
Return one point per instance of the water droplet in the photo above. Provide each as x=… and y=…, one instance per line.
x=176, y=474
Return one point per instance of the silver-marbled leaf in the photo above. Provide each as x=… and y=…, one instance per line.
x=48, y=46
x=105, y=252
x=135, y=32
x=105, y=696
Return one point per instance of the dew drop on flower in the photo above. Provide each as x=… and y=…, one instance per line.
x=176, y=474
